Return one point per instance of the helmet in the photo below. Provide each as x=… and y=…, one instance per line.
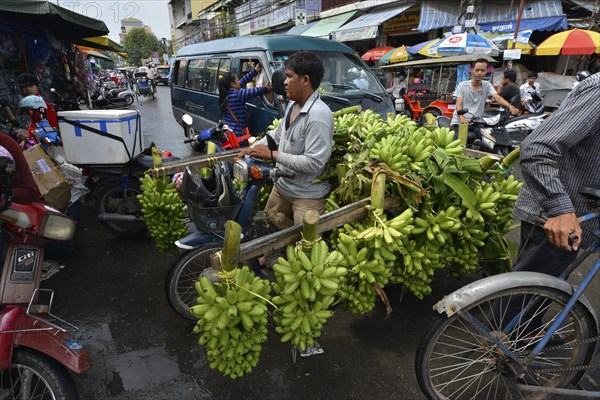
x=7, y=168
x=216, y=190
x=27, y=79
x=581, y=75
x=32, y=102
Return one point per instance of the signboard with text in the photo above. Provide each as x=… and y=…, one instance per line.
x=405, y=22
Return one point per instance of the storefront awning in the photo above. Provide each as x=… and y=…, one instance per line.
x=538, y=15
x=496, y=16
x=327, y=25
x=366, y=26
x=438, y=14
x=63, y=23
x=300, y=29
x=537, y=24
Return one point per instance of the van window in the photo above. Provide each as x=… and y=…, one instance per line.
x=215, y=68
x=345, y=74
x=212, y=67
x=195, y=74
x=179, y=72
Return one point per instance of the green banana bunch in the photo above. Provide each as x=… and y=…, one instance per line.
x=305, y=288
x=444, y=139
x=370, y=249
x=163, y=210
x=232, y=321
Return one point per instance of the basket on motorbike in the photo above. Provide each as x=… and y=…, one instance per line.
x=211, y=200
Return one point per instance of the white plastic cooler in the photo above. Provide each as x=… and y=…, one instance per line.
x=100, y=136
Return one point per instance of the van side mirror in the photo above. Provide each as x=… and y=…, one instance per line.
x=271, y=143
x=278, y=81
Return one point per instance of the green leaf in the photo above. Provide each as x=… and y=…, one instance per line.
x=465, y=193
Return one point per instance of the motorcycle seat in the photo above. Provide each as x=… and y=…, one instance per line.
x=117, y=91
x=524, y=116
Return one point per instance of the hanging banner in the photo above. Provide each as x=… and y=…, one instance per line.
x=512, y=54
x=405, y=22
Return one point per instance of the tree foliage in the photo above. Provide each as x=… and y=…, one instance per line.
x=140, y=44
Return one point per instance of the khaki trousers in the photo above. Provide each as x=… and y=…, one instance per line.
x=281, y=210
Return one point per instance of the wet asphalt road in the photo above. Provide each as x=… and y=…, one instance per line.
x=113, y=289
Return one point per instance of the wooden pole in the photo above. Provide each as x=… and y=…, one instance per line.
x=521, y=6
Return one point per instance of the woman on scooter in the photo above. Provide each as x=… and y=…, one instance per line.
x=232, y=98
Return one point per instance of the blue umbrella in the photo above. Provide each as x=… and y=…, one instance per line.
x=415, y=49
x=464, y=43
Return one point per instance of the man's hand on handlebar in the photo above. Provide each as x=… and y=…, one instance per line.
x=559, y=228
x=259, y=151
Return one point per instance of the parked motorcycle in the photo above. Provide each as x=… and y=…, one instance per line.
x=63, y=104
x=499, y=132
x=535, y=105
x=143, y=86
x=104, y=97
x=37, y=348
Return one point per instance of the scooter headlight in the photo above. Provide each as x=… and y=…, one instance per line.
x=57, y=226
x=240, y=171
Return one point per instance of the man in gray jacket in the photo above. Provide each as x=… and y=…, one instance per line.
x=305, y=137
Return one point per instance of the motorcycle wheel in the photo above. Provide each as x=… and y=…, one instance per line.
x=129, y=99
x=34, y=375
x=110, y=199
x=179, y=287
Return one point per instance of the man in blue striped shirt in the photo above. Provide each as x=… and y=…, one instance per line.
x=232, y=98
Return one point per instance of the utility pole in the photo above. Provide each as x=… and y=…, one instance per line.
x=521, y=6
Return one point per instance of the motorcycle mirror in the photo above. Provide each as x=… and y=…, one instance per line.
x=462, y=111
x=516, y=100
x=271, y=143
x=187, y=119
x=278, y=81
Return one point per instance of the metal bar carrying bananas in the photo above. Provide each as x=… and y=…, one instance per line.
x=206, y=160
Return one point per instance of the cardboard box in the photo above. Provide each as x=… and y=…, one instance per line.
x=50, y=181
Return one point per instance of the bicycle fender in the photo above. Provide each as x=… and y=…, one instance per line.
x=477, y=290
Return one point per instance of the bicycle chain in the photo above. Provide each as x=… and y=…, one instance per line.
x=565, y=347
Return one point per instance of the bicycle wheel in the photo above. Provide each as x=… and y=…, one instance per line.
x=455, y=361
x=182, y=276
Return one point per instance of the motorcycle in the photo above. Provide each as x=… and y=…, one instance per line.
x=104, y=97
x=211, y=202
x=63, y=104
x=37, y=348
x=223, y=137
x=535, y=105
x=143, y=85
x=498, y=131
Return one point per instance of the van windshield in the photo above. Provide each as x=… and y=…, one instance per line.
x=345, y=74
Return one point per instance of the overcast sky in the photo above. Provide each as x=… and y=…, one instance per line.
x=154, y=13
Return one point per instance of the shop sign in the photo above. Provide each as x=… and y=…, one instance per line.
x=512, y=54
x=244, y=29
x=405, y=22
x=280, y=16
x=261, y=22
x=365, y=32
